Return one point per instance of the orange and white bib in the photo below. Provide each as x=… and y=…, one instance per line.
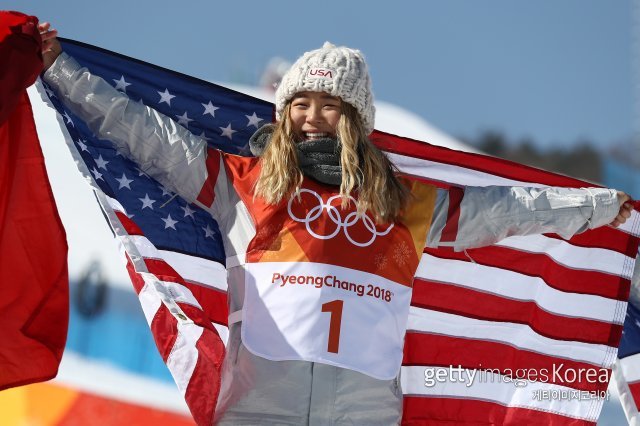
x=327, y=284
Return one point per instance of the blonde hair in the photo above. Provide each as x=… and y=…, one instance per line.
x=365, y=168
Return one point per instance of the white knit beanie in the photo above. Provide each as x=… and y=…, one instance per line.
x=338, y=71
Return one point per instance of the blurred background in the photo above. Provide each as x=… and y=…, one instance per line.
x=551, y=84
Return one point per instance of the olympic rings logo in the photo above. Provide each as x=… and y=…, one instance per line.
x=335, y=216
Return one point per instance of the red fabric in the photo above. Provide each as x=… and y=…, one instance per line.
x=634, y=388
x=21, y=59
x=33, y=250
x=207, y=193
x=441, y=411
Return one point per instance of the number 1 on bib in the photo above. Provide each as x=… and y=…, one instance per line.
x=335, y=308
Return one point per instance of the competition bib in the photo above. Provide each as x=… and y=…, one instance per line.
x=325, y=313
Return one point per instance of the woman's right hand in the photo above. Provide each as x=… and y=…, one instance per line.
x=51, y=47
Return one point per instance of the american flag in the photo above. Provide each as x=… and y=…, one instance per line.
x=508, y=312
x=627, y=369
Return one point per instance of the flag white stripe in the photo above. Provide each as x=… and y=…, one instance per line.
x=115, y=205
x=453, y=174
x=564, y=253
x=632, y=225
x=517, y=335
x=223, y=332
x=499, y=390
x=191, y=268
x=626, y=397
x=149, y=301
x=517, y=286
x=184, y=354
x=630, y=367
x=179, y=293
x=196, y=269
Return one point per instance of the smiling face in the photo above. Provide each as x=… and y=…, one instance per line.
x=314, y=115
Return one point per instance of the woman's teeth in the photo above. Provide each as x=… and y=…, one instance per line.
x=315, y=135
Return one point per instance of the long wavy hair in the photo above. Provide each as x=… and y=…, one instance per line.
x=365, y=169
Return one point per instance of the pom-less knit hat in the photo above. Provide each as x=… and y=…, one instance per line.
x=338, y=71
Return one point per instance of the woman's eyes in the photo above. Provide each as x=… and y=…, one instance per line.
x=307, y=105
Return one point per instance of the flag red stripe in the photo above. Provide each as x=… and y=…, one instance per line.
x=212, y=301
x=450, y=230
x=634, y=388
x=492, y=165
x=163, y=270
x=439, y=350
x=204, y=385
x=164, y=328
x=447, y=411
x=604, y=238
x=207, y=193
x=136, y=280
x=129, y=225
x=540, y=265
x=476, y=304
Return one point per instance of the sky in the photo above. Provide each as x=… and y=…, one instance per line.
x=552, y=72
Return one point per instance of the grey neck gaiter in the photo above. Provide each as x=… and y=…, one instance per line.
x=318, y=159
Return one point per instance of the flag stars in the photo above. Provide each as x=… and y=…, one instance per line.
x=49, y=91
x=83, y=146
x=169, y=223
x=209, y=109
x=96, y=174
x=165, y=193
x=227, y=131
x=165, y=97
x=203, y=136
x=188, y=211
x=147, y=202
x=68, y=119
x=208, y=232
x=121, y=84
x=101, y=163
x=184, y=119
x=124, y=182
x=254, y=120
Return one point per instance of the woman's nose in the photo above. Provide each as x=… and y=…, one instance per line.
x=314, y=115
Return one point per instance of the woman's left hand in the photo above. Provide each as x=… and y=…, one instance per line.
x=51, y=47
x=626, y=207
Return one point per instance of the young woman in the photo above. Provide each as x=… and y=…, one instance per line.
x=318, y=214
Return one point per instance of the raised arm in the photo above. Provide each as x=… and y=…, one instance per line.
x=480, y=216
x=161, y=147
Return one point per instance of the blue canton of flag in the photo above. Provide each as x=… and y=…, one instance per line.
x=627, y=369
x=630, y=342
x=226, y=119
